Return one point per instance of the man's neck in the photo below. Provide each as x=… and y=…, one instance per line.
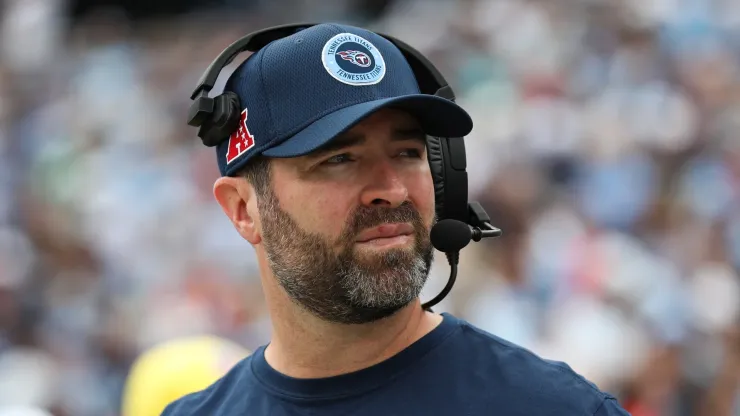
x=303, y=346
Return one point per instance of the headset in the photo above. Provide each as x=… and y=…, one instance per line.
x=458, y=221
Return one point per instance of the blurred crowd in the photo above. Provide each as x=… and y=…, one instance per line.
x=604, y=146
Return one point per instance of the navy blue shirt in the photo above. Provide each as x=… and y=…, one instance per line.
x=455, y=370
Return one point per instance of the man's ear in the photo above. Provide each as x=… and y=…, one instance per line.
x=238, y=200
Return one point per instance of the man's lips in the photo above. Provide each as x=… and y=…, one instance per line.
x=385, y=231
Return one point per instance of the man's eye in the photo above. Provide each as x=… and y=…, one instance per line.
x=338, y=159
x=412, y=153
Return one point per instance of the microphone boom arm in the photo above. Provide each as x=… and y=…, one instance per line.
x=481, y=223
x=480, y=227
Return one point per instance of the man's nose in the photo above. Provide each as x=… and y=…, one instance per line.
x=385, y=187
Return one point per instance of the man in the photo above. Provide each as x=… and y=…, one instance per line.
x=172, y=369
x=327, y=178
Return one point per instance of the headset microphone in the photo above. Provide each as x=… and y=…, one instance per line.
x=450, y=236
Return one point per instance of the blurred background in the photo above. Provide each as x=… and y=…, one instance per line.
x=605, y=146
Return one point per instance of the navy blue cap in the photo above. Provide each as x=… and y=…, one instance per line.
x=300, y=92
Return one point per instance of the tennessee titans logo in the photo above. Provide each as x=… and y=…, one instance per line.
x=353, y=60
x=356, y=57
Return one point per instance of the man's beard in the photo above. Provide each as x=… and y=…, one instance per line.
x=347, y=287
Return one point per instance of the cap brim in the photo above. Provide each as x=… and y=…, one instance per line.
x=437, y=117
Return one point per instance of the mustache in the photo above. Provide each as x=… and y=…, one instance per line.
x=364, y=217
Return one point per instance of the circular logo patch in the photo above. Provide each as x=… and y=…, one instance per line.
x=353, y=60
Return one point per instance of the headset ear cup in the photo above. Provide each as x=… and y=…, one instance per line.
x=437, y=168
x=224, y=120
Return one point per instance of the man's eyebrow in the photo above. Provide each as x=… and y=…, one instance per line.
x=349, y=140
x=409, y=133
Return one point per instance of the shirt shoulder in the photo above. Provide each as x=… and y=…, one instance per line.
x=528, y=379
x=211, y=401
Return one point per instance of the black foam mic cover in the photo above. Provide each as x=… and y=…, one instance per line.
x=449, y=236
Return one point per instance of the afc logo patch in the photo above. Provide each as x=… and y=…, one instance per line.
x=240, y=141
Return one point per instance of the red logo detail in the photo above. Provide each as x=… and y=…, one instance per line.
x=240, y=141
